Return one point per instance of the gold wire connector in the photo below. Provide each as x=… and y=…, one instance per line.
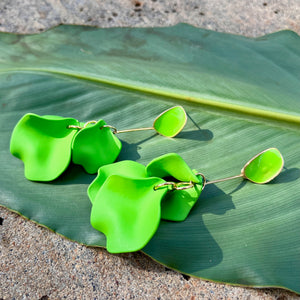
x=184, y=185
x=74, y=127
x=164, y=184
x=114, y=129
x=175, y=186
x=81, y=127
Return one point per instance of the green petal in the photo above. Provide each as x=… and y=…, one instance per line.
x=43, y=144
x=94, y=147
x=171, y=121
x=171, y=164
x=178, y=203
x=128, y=168
x=264, y=167
x=127, y=211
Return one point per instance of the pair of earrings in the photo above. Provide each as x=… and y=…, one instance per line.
x=128, y=199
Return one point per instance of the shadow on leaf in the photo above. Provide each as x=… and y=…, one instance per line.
x=288, y=175
x=74, y=174
x=174, y=236
x=198, y=135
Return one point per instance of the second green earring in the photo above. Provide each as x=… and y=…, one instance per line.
x=129, y=199
x=47, y=144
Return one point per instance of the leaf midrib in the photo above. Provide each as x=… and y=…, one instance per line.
x=230, y=107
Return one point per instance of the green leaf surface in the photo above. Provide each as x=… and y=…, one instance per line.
x=241, y=96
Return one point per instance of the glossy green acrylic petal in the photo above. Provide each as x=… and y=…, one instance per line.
x=127, y=211
x=173, y=165
x=43, y=144
x=176, y=205
x=264, y=167
x=128, y=168
x=171, y=121
x=94, y=147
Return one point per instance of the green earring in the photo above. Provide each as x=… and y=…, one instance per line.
x=47, y=144
x=129, y=199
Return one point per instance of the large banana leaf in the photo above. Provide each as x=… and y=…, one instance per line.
x=242, y=96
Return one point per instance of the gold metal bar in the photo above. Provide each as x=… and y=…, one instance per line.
x=134, y=129
x=224, y=179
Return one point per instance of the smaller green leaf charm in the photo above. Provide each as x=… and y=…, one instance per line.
x=43, y=143
x=261, y=168
x=264, y=167
x=95, y=146
x=170, y=122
